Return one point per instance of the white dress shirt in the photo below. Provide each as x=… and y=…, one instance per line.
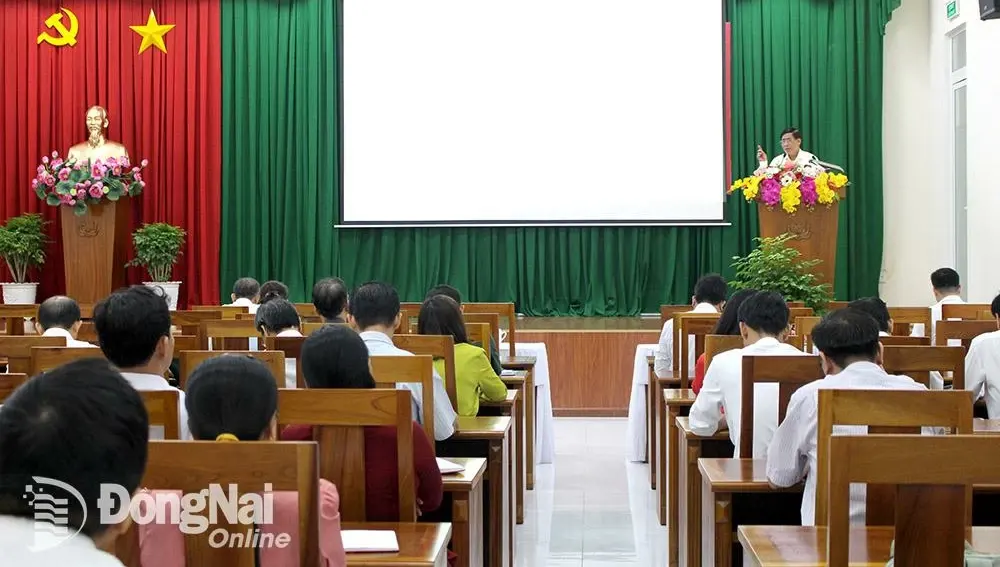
x=154, y=383
x=664, y=358
x=792, y=454
x=244, y=302
x=723, y=390
x=291, y=368
x=918, y=329
x=70, y=341
x=780, y=160
x=982, y=371
x=17, y=537
x=444, y=415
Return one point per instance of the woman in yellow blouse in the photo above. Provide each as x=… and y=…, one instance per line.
x=475, y=379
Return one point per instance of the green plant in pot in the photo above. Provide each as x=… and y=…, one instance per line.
x=157, y=247
x=22, y=246
x=775, y=266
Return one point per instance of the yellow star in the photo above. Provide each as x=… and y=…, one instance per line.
x=152, y=33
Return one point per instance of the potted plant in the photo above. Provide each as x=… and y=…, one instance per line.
x=775, y=266
x=157, y=247
x=22, y=246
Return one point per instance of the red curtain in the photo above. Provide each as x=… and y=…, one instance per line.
x=165, y=107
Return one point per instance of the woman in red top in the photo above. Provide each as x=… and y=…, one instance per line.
x=336, y=357
x=728, y=324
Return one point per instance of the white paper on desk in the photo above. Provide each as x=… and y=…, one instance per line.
x=369, y=541
x=508, y=373
x=448, y=467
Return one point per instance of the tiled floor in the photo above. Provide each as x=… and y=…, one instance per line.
x=591, y=507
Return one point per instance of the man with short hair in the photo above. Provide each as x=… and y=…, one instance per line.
x=982, y=365
x=851, y=356
x=763, y=319
x=709, y=297
x=246, y=293
x=878, y=310
x=80, y=424
x=133, y=325
x=59, y=316
x=449, y=291
x=329, y=296
x=376, y=312
x=947, y=288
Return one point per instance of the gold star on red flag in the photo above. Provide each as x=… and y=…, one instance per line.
x=152, y=33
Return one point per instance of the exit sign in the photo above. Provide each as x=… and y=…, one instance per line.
x=952, y=9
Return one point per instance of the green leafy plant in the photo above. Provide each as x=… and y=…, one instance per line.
x=775, y=266
x=22, y=244
x=157, y=247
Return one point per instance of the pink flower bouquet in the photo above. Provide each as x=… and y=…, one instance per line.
x=74, y=184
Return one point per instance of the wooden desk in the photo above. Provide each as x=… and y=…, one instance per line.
x=489, y=438
x=986, y=426
x=788, y=546
x=512, y=407
x=654, y=400
x=691, y=448
x=420, y=545
x=465, y=490
x=677, y=404
x=525, y=364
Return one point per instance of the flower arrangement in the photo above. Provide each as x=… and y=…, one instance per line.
x=77, y=184
x=791, y=187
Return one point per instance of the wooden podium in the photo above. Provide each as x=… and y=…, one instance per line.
x=95, y=249
x=816, y=233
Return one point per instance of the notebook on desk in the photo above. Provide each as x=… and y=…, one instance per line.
x=448, y=467
x=508, y=373
x=369, y=541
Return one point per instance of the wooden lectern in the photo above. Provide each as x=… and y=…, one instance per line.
x=816, y=233
x=95, y=249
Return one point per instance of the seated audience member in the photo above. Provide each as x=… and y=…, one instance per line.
x=59, y=316
x=449, y=291
x=982, y=366
x=84, y=425
x=336, y=357
x=729, y=324
x=709, y=297
x=763, y=319
x=851, y=355
x=278, y=318
x=475, y=379
x=329, y=296
x=272, y=289
x=947, y=288
x=133, y=327
x=375, y=310
x=878, y=310
x=246, y=293
x=234, y=399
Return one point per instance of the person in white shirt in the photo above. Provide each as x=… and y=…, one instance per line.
x=982, y=365
x=763, y=319
x=880, y=312
x=246, y=293
x=852, y=356
x=133, y=328
x=59, y=316
x=793, y=156
x=278, y=318
x=947, y=288
x=709, y=297
x=82, y=425
x=375, y=310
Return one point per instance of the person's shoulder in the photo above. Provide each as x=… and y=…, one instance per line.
x=729, y=357
x=991, y=337
x=902, y=382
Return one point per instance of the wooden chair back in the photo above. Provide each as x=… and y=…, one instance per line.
x=698, y=327
x=667, y=312
x=228, y=312
x=717, y=344
x=87, y=333
x=918, y=362
x=796, y=312
x=932, y=474
x=9, y=383
x=190, y=359
x=503, y=310
x=964, y=330
x=13, y=317
x=882, y=411
x=804, y=327
x=436, y=346
x=47, y=358
x=491, y=319
x=794, y=304
x=189, y=322
x=193, y=466
x=789, y=372
x=677, y=351
x=161, y=405
x=306, y=311
x=246, y=316
x=292, y=349
x=17, y=350
x=408, y=315
x=963, y=311
x=904, y=317
x=836, y=305
x=479, y=333
x=339, y=418
x=903, y=340
x=186, y=342
x=226, y=330
x=987, y=316
x=310, y=328
x=390, y=371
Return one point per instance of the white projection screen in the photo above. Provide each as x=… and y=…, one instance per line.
x=532, y=112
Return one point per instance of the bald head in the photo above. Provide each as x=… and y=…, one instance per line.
x=59, y=311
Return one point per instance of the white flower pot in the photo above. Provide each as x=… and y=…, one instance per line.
x=19, y=293
x=170, y=289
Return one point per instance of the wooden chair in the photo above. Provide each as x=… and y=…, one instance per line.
x=503, y=310
x=479, y=333
x=338, y=418
x=161, y=405
x=229, y=312
x=796, y=312
x=186, y=342
x=246, y=316
x=436, y=346
x=189, y=322
x=882, y=411
x=9, y=383
x=193, y=466
x=902, y=340
x=789, y=372
x=795, y=304
x=677, y=351
x=13, y=317
x=233, y=334
x=987, y=316
x=306, y=310
x=190, y=359
x=836, y=305
x=698, y=327
x=804, y=327
x=390, y=371
x=87, y=333
x=964, y=330
x=292, y=348
x=963, y=311
x=47, y=358
x=667, y=312
x=491, y=319
x=918, y=362
x=718, y=344
x=933, y=474
x=904, y=317
x=408, y=315
x=17, y=350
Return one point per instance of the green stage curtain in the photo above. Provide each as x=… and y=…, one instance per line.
x=280, y=192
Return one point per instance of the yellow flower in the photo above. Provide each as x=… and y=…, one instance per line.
x=750, y=188
x=791, y=197
x=838, y=180
x=736, y=186
x=825, y=195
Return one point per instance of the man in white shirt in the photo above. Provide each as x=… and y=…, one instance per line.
x=793, y=156
x=59, y=316
x=709, y=297
x=947, y=288
x=852, y=358
x=376, y=311
x=133, y=326
x=763, y=318
x=982, y=365
x=246, y=293
x=876, y=309
x=82, y=425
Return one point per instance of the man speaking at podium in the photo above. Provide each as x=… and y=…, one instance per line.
x=794, y=156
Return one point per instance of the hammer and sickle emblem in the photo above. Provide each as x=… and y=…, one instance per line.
x=65, y=36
